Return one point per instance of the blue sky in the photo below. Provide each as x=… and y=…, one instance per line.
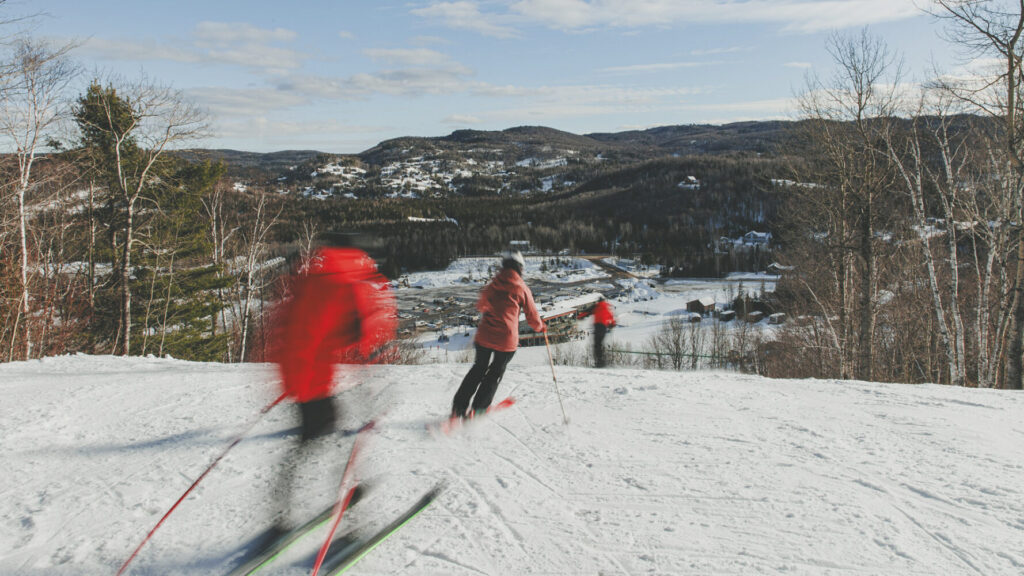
x=342, y=75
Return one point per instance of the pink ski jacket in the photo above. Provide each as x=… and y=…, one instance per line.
x=499, y=305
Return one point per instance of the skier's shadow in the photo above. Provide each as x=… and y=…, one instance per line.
x=199, y=436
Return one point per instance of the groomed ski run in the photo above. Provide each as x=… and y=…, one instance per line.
x=670, y=473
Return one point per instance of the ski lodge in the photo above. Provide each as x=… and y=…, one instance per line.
x=560, y=317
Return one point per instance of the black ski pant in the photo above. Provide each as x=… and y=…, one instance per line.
x=482, y=381
x=318, y=421
x=600, y=330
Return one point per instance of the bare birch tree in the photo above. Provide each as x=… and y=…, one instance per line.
x=251, y=276
x=995, y=29
x=32, y=100
x=843, y=118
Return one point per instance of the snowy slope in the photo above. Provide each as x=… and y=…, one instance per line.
x=656, y=473
x=479, y=271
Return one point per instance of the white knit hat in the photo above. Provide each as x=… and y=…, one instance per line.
x=515, y=256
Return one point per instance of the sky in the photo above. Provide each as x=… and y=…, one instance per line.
x=341, y=76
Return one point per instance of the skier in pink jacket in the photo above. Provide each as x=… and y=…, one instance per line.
x=497, y=334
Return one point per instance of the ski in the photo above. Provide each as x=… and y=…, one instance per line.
x=263, y=557
x=275, y=548
x=346, y=498
x=345, y=556
x=449, y=425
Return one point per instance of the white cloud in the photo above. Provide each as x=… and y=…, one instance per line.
x=716, y=51
x=461, y=119
x=798, y=65
x=553, y=103
x=242, y=102
x=420, y=57
x=429, y=41
x=263, y=134
x=714, y=113
x=226, y=33
x=258, y=56
x=657, y=67
x=464, y=15
x=346, y=35
x=774, y=107
x=237, y=44
x=246, y=45
x=793, y=15
x=407, y=82
x=415, y=72
x=589, y=94
x=130, y=50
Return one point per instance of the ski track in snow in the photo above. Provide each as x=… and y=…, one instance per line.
x=656, y=473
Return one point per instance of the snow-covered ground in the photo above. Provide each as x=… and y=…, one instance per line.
x=655, y=473
x=480, y=270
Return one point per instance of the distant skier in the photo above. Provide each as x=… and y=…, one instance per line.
x=497, y=335
x=341, y=309
x=604, y=321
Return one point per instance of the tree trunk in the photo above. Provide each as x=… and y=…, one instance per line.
x=92, y=248
x=167, y=304
x=1012, y=375
x=126, y=293
x=866, y=320
x=25, y=303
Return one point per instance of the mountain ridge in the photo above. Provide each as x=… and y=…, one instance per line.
x=752, y=136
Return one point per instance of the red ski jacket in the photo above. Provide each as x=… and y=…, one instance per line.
x=340, y=307
x=602, y=313
x=499, y=305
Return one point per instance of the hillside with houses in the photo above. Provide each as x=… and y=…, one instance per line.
x=520, y=160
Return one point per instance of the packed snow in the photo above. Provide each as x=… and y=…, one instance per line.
x=655, y=472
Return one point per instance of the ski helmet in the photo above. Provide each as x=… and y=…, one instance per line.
x=513, y=259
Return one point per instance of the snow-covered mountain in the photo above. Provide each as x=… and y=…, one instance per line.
x=655, y=473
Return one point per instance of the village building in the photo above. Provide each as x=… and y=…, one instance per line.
x=754, y=238
x=520, y=245
x=701, y=306
x=690, y=183
x=560, y=318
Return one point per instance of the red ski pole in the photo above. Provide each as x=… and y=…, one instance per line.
x=200, y=478
x=345, y=491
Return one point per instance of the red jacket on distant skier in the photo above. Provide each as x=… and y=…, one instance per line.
x=602, y=314
x=341, y=310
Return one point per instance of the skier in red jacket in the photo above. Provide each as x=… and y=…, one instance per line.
x=604, y=320
x=341, y=310
x=497, y=334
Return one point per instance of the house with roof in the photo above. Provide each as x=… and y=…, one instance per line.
x=754, y=238
x=689, y=183
x=705, y=305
